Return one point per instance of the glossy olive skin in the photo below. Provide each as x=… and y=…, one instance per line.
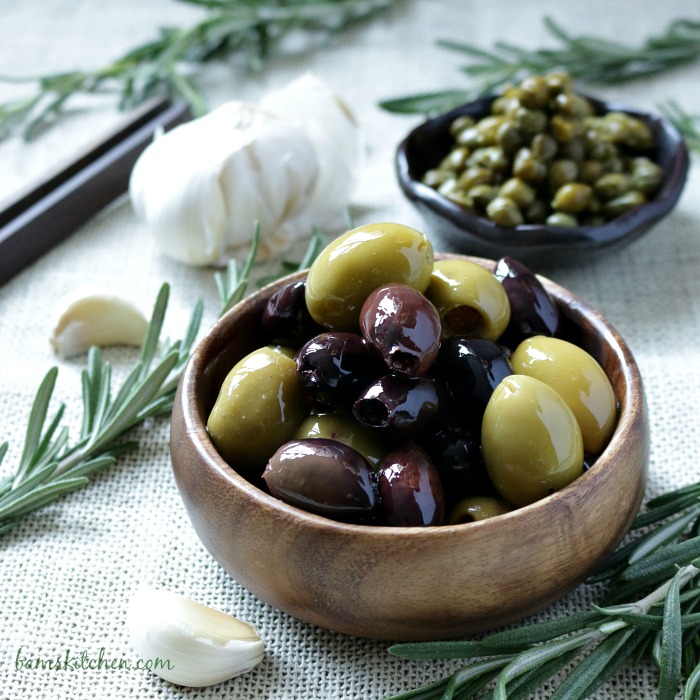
x=532, y=309
x=578, y=379
x=322, y=476
x=471, y=510
x=530, y=440
x=410, y=489
x=474, y=367
x=404, y=327
x=469, y=299
x=335, y=367
x=286, y=319
x=455, y=449
x=342, y=427
x=398, y=406
x=355, y=264
x=259, y=407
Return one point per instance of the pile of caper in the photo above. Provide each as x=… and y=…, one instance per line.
x=394, y=389
x=542, y=156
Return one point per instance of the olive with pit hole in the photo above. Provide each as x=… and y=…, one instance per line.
x=530, y=440
x=322, y=476
x=259, y=407
x=578, y=378
x=353, y=265
x=400, y=407
x=410, y=490
x=469, y=299
x=403, y=326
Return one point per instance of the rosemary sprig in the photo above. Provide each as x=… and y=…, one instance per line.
x=687, y=124
x=50, y=465
x=659, y=570
x=163, y=67
x=586, y=58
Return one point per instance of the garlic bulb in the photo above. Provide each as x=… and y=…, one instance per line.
x=196, y=645
x=287, y=165
x=94, y=315
x=336, y=136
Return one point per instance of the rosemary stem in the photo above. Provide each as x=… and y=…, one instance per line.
x=658, y=595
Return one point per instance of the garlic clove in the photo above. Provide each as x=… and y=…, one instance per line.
x=93, y=315
x=197, y=645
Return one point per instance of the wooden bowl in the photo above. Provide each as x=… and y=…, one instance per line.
x=407, y=583
x=460, y=230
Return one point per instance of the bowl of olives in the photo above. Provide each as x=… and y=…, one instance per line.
x=542, y=173
x=405, y=445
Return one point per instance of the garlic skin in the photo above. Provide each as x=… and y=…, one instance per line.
x=288, y=163
x=204, y=646
x=336, y=136
x=202, y=186
x=94, y=315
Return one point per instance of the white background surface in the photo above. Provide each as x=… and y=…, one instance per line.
x=69, y=571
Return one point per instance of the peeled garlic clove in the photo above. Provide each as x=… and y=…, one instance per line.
x=94, y=315
x=196, y=645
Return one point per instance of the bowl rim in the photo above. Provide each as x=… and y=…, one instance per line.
x=629, y=413
x=526, y=237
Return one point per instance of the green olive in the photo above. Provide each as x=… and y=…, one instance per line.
x=359, y=261
x=477, y=508
x=576, y=376
x=530, y=441
x=469, y=299
x=342, y=427
x=260, y=406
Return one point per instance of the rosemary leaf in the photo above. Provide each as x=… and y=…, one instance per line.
x=165, y=66
x=692, y=685
x=663, y=560
x=671, y=646
x=523, y=686
x=590, y=59
x=663, y=535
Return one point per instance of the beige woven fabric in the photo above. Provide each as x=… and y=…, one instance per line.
x=68, y=573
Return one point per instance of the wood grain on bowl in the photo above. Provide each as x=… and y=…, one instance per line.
x=408, y=583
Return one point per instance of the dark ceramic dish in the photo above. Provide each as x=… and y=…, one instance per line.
x=461, y=231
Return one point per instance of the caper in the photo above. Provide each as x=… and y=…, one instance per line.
x=504, y=211
x=534, y=92
x=359, y=261
x=543, y=147
x=619, y=205
x=488, y=157
x=562, y=220
x=456, y=159
x=469, y=299
x=259, y=407
x=590, y=171
x=612, y=185
x=474, y=176
x=529, y=168
x=460, y=124
x=477, y=508
x=565, y=130
x=435, y=177
x=530, y=121
x=481, y=195
x=561, y=172
x=537, y=212
x=576, y=376
x=518, y=191
x=558, y=82
x=530, y=440
x=572, y=198
x=509, y=138
x=646, y=175
x=570, y=104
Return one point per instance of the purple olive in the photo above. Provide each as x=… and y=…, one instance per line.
x=322, y=476
x=286, y=319
x=400, y=406
x=532, y=309
x=456, y=452
x=335, y=367
x=474, y=367
x=409, y=488
x=404, y=326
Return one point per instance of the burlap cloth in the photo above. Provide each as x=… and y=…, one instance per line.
x=69, y=571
